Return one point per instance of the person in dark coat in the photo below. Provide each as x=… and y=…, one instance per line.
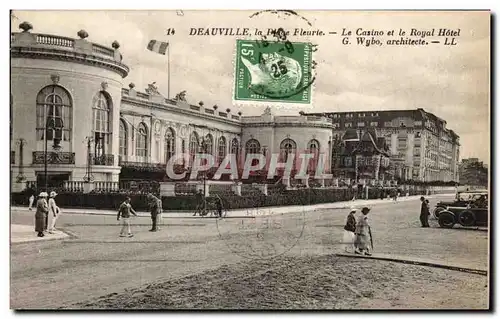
x=218, y=205
x=200, y=208
x=424, y=212
x=42, y=211
x=156, y=210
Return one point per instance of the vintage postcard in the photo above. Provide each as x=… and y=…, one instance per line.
x=264, y=159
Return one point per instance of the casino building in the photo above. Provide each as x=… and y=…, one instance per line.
x=69, y=100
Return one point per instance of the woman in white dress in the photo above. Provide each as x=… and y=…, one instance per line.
x=349, y=229
x=53, y=212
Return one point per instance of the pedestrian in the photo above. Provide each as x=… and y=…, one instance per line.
x=395, y=195
x=156, y=211
x=349, y=229
x=201, y=203
x=363, y=243
x=31, y=200
x=424, y=212
x=53, y=212
x=124, y=214
x=218, y=205
x=42, y=209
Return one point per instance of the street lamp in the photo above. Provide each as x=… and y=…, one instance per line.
x=88, y=174
x=204, y=150
x=51, y=124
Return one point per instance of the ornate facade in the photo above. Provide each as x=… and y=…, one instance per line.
x=68, y=101
x=361, y=155
x=420, y=145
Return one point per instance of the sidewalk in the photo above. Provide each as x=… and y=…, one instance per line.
x=26, y=234
x=250, y=212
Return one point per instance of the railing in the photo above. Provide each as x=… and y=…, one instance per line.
x=194, y=107
x=103, y=50
x=27, y=43
x=122, y=162
x=235, y=117
x=105, y=159
x=143, y=95
x=209, y=111
x=185, y=189
x=222, y=114
x=142, y=186
x=74, y=186
x=106, y=186
x=54, y=158
x=47, y=39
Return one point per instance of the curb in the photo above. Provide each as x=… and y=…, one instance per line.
x=36, y=240
x=293, y=209
x=419, y=263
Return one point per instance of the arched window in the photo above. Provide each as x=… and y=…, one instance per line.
x=53, y=103
x=313, y=148
x=287, y=147
x=221, y=149
x=235, y=146
x=193, y=143
x=252, y=147
x=209, y=144
x=100, y=111
x=169, y=144
x=123, y=138
x=141, y=140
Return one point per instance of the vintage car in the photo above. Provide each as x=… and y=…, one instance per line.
x=475, y=213
x=462, y=199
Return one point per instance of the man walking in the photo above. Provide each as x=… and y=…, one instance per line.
x=124, y=214
x=200, y=207
x=424, y=212
x=155, y=206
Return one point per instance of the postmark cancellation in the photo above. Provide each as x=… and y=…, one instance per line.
x=273, y=72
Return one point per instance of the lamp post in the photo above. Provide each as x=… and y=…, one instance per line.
x=50, y=124
x=20, y=176
x=204, y=150
x=88, y=174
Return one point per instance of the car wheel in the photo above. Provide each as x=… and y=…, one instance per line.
x=446, y=219
x=467, y=218
x=437, y=210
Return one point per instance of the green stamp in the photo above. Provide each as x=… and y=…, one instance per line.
x=273, y=72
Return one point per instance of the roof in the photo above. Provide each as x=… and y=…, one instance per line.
x=367, y=135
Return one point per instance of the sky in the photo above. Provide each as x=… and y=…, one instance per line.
x=450, y=81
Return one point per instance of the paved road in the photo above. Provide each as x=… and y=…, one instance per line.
x=97, y=262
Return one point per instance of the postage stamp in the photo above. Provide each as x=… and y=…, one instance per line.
x=274, y=71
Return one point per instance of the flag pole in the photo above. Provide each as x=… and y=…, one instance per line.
x=168, y=65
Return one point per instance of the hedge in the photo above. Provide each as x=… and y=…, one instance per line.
x=230, y=200
x=307, y=196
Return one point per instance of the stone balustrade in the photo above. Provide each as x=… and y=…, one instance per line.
x=27, y=44
x=160, y=100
